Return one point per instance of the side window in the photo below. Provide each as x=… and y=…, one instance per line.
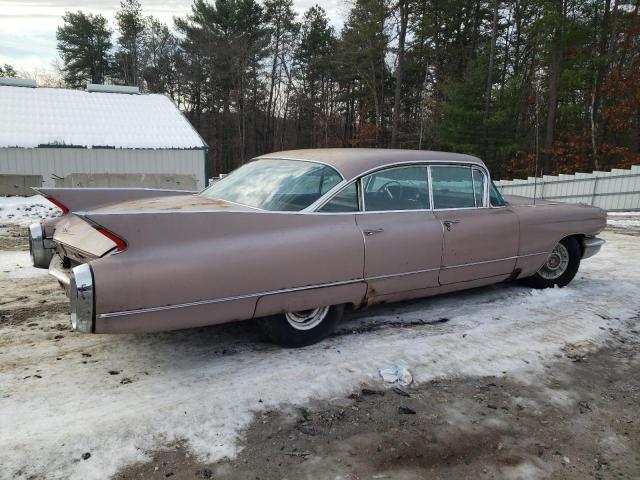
x=495, y=197
x=452, y=187
x=399, y=188
x=479, y=180
x=329, y=179
x=346, y=200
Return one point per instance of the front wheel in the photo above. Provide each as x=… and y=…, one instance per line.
x=561, y=266
x=299, y=329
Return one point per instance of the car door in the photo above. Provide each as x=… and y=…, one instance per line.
x=403, y=238
x=480, y=241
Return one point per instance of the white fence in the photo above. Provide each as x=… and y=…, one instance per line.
x=615, y=190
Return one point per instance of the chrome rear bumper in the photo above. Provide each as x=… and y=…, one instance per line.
x=591, y=246
x=40, y=247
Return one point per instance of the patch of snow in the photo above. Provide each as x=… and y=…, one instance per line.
x=26, y=210
x=14, y=265
x=204, y=385
x=633, y=223
x=623, y=214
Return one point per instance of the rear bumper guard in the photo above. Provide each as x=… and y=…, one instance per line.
x=78, y=285
x=57, y=271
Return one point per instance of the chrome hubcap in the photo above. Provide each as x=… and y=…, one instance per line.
x=306, y=319
x=556, y=263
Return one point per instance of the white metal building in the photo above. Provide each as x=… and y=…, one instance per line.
x=105, y=136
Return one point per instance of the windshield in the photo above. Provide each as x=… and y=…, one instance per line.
x=277, y=185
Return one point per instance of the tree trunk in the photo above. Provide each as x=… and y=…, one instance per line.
x=404, y=18
x=492, y=59
x=552, y=100
x=269, y=126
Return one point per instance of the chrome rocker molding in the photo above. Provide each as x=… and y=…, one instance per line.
x=40, y=248
x=82, y=296
x=591, y=246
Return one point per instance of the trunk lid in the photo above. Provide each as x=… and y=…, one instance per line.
x=81, y=241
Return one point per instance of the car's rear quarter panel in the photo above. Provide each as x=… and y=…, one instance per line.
x=191, y=257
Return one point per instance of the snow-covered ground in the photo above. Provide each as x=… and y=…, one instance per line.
x=26, y=210
x=64, y=394
x=14, y=265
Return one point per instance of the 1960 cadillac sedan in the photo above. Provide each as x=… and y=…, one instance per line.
x=292, y=237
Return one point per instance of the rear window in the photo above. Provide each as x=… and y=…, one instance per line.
x=277, y=185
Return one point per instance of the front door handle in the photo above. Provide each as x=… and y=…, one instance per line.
x=371, y=232
x=449, y=223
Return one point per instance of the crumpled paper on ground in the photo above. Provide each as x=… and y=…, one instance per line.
x=400, y=375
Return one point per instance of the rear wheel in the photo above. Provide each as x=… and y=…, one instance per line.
x=561, y=266
x=299, y=329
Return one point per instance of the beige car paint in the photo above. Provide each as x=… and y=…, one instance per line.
x=400, y=242
x=193, y=261
x=483, y=243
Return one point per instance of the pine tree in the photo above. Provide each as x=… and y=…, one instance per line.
x=131, y=30
x=84, y=43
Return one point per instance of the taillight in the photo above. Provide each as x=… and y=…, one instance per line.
x=62, y=207
x=120, y=243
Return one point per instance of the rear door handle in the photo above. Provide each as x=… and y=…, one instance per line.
x=371, y=232
x=449, y=223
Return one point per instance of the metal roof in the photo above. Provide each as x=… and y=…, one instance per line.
x=35, y=117
x=351, y=162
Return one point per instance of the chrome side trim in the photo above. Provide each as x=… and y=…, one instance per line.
x=226, y=299
x=293, y=289
x=495, y=260
x=591, y=246
x=403, y=274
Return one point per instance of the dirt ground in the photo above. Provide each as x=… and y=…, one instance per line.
x=581, y=422
x=578, y=418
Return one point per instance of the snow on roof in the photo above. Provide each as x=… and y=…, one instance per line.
x=31, y=117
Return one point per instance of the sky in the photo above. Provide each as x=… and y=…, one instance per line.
x=28, y=27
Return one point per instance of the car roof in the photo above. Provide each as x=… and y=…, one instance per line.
x=352, y=162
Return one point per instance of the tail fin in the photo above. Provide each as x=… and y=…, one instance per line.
x=71, y=199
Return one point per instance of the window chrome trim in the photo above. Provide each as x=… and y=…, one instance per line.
x=300, y=289
x=428, y=164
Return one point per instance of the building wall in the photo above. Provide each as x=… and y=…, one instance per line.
x=19, y=184
x=618, y=189
x=182, y=169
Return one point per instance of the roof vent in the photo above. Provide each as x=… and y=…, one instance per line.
x=95, y=87
x=17, y=82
